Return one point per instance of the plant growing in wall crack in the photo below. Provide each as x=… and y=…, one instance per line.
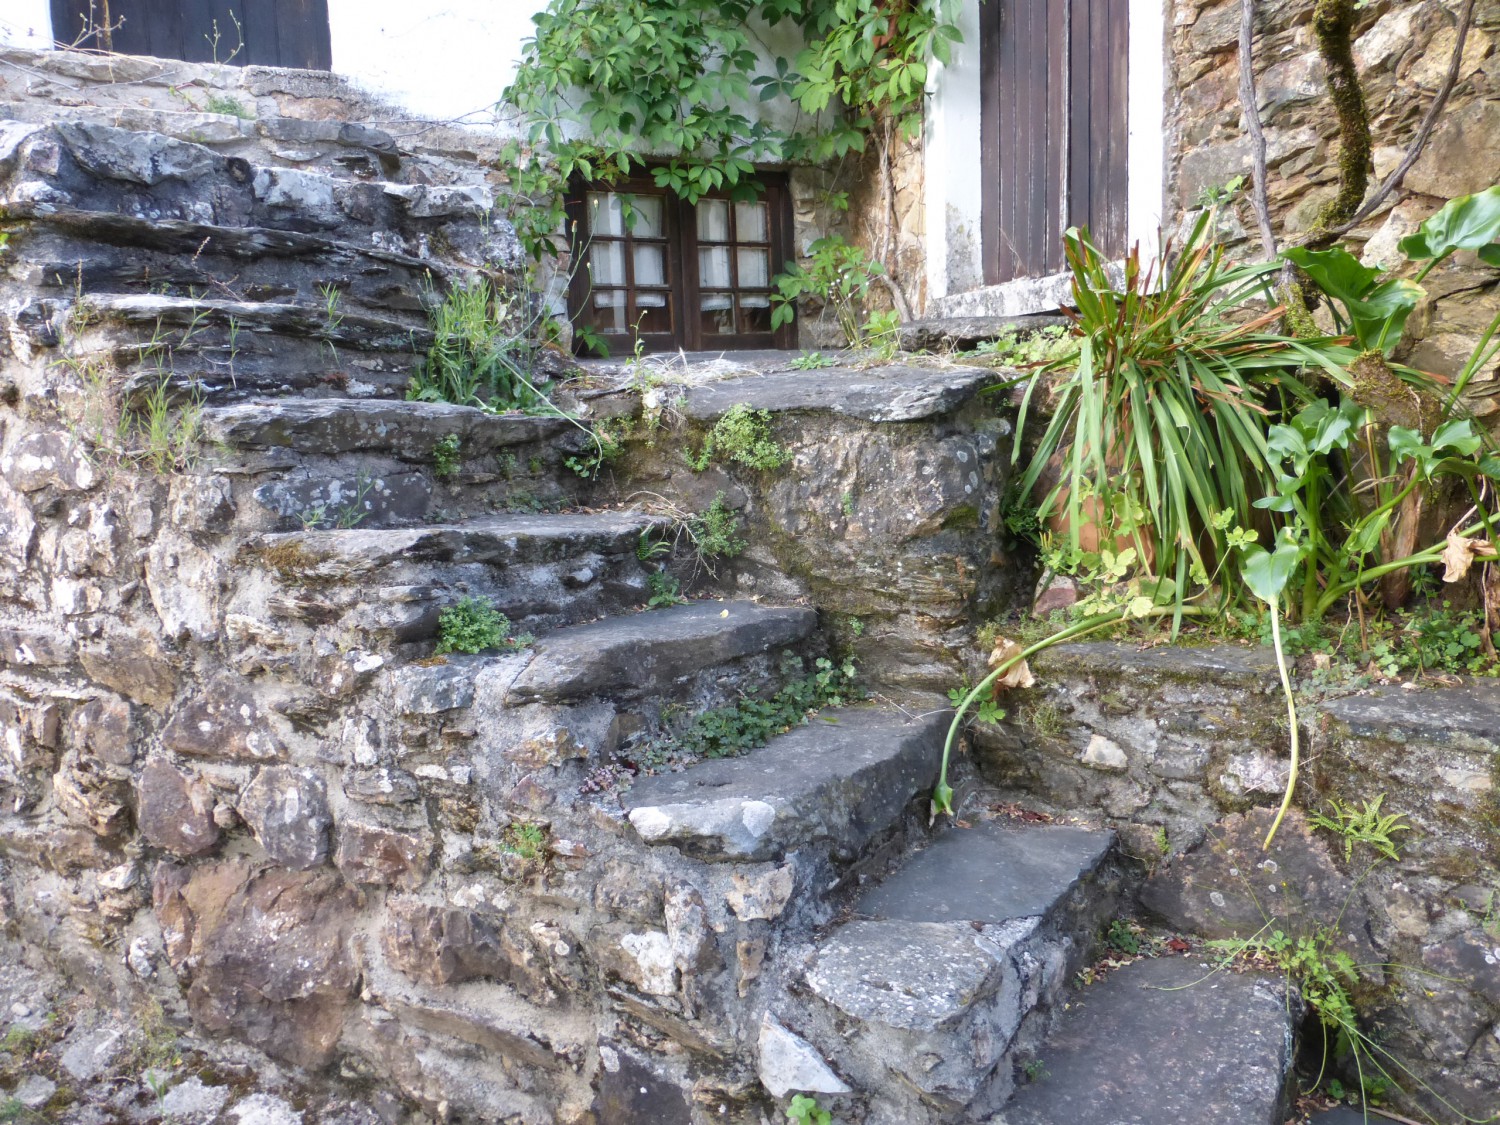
x=474, y=625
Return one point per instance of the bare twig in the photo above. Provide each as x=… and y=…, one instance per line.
x=1418, y=142
x=1250, y=103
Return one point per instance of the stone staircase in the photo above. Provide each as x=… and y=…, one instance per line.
x=502, y=935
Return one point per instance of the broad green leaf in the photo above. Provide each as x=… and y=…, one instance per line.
x=1267, y=573
x=1337, y=272
x=1469, y=222
x=1457, y=435
x=1406, y=444
x=1490, y=255
x=1382, y=312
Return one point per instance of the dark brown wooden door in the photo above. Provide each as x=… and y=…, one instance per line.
x=1054, y=77
x=264, y=32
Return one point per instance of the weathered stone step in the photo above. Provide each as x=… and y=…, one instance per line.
x=405, y=430
x=964, y=333
x=956, y=960
x=389, y=585
x=833, y=784
x=882, y=394
x=358, y=331
x=643, y=654
x=1163, y=1041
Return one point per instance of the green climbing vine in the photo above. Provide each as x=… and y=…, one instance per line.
x=611, y=88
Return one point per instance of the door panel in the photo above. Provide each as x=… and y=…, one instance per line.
x=290, y=33
x=1053, y=112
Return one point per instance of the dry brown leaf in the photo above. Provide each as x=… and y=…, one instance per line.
x=1019, y=674
x=1460, y=553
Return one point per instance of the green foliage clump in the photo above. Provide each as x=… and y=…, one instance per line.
x=1012, y=348
x=606, y=445
x=600, y=85
x=838, y=274
x=225, y=104
x=524, y=839
x=479, y=353
x=666, y=591
x=715, y=532
x=725, y=732
x=810, y=361
x=474, y=625
x=1367, y=825
x=806, y=1110
x=445, y=455
x=742, y=435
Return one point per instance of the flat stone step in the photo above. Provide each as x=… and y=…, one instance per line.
x=645, y=653
x=946, y=960
x=373, y=588
x=835, y=783
x=883, y=394
x=405, y=430
x=964, y=333
x=1166, y=1040
x=359, y=331
x=494, y=541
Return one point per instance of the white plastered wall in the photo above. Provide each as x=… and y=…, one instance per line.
x=953, y=179
x=25, y=23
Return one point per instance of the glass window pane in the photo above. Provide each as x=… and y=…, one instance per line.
x=653, y=313
x=716, y=314
x=755, y=312
x=605, y=214
x=713, y=220
x=646, y=213
x=713, y=267
x=755, y=268
x=650, y=265
x=607, y=263
x=609, y=310
x=750, y=222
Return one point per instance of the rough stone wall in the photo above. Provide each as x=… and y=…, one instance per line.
x=1403, y=51
x=1182, y=751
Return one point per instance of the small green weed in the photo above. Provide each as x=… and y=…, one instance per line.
x=446, y=455
x=649, y=548
x=165, y=434
x=17, y=1039
x=524, y=839
x=1012, y=349
x=1034, y=1070
x=804, y=1110
x=1046, y=718
x=810, y=361
x=725, y=732
x=607, y=440
x=1124, y=937
x=1365, y=825
x=883, y=334
x=742, y=435
x=715, y=532
x=474, y=625
x=666, y=591
x=987, y=710
x=856, y=626
x=846, y=503
x=12, y=1109
x=479, y=354
x=223, y=103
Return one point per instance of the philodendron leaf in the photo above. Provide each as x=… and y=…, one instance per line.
x=1266, y=573
x=1457, y=435
x=1337, y=272
x=1382, y=312
x=1470, y=222
x=1490, y=255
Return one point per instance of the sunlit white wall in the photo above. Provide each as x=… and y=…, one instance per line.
x=25, y=23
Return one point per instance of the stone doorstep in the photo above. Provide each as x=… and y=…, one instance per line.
x=407, y=430
x=1252, y=667
x=645, y=653
x=1166, y=1040
x=894, y=393
x=963, y=333
x=835, y=783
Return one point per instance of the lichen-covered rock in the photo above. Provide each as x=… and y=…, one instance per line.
x=175, y=812
x=48, y=459
x=265, y=952
x=227, y=722
x=287, y=809
x=438, y=945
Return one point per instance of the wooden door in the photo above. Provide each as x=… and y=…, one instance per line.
x=242, y=32
x=1054, y=119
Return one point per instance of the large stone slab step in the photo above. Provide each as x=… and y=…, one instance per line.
x=953, y=963
x=381, y=586
x=1166, y=1040
x=645, y=653
x=882, y=394
x=358, y=331
x=405, y=430
x=964, y=333
x=833, y=784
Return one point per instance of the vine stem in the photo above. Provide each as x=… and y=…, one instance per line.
x=942, y=794
x=1291, y=714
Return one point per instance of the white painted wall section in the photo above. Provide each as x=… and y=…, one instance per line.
x=442, y=61
x=952, y=182
x=25, y=23
x=1146, y=161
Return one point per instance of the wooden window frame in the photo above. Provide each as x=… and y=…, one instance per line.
x=686, y=291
